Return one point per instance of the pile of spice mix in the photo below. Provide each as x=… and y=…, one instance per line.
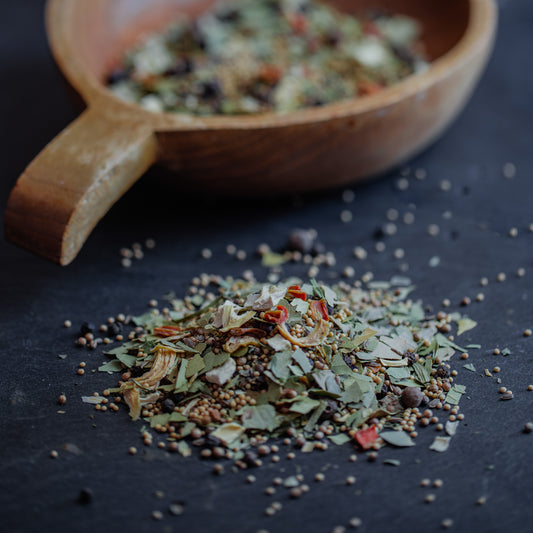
x=238, y=363
x=253, y=56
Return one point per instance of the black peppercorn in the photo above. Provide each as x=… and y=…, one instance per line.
x=114, y=329
x=85, y=496
x=411, y=397
x=87, y=327
x=443, y=371
x=168, y=406
x=301, y=240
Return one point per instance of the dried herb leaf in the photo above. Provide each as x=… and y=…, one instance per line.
x=397, y=438
x=112, y=366
x=303, y=361
x=339, y=438
x=454, y=394
x=440, y=444
x=465, y=324
x=195, y=365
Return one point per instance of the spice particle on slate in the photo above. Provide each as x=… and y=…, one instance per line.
x=247, y=362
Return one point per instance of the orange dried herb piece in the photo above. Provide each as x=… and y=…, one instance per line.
x=277, y=316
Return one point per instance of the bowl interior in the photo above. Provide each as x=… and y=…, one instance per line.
x=101, y=30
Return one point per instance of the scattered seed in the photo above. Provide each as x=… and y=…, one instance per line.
x=509, y=170
x=445, y=185
x=433, y=230
x=176, y=508
x=338, y=529
x=402, y=184
x=355, y=522
x=85, y=496
x=348, y=196
x=447, y=523
x=408, y=218
x=346, y=216
x=295, y=492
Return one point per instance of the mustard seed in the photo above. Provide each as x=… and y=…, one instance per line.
x=355, y=522
x=447, y=523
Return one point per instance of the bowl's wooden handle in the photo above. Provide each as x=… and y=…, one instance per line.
x=73, y=182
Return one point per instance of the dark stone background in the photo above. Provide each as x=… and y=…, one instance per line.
x=490, y=456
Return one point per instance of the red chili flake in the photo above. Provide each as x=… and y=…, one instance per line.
x=270, y=74
x=366, y=437
x=296, y=292
x=278, y=315
x=166, y=331
x=367, y=88
x=371, y=28
x=247, y=331
x=319, y=309
x=298, y=23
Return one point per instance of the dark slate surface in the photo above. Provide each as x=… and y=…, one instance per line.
x=490, y=456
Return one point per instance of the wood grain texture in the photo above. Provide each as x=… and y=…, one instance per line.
x=75, y=180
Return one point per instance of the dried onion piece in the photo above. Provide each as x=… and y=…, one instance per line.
x=315, y=338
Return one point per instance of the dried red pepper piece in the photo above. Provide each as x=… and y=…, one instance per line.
x=366, y=437
x=367, y=88
x=296, y=292
x=298, y=23
x=270, y=74
x=278, y=315
x=319, y=309
x=371, y=28
x=166, y=331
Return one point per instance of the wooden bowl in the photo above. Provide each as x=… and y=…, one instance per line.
x=73, y=182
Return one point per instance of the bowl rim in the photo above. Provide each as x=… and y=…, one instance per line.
x=478, y=36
